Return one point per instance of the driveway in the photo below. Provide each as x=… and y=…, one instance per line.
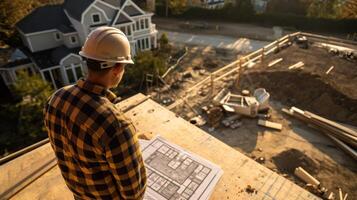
x=242, y=45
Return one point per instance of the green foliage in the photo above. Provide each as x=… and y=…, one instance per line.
x=164, y=40
x=348, y=10
x=23, y=121
x=297, y=7
x=177, y=6
x=299, y=22
x=12, y=11
x=324, y=9
x=146, y=62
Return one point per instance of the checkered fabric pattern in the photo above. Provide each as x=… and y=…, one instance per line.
x=94, y=143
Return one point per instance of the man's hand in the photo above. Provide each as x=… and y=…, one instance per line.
x=144, y=136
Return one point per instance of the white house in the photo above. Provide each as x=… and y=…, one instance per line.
x=53, y=35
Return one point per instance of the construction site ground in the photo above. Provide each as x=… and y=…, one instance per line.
x=332, y=95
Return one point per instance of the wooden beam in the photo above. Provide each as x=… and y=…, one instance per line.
x=270, y=124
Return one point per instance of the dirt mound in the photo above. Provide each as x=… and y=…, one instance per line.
x=287, y=161
x=304, y=90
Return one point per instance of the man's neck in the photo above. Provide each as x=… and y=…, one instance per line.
x=98, y=81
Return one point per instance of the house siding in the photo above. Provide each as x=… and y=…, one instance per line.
x=44, y=41
x=24, y=40
x=67, y=40
x=80, y=28
x=71, y=59
x=87, y=18
x=109, y=11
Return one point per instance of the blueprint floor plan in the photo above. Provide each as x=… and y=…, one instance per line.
x=174, y=173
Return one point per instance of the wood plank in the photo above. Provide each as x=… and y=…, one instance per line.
x=333, y=124
x=274, y=62
x=270, y=124
x=239, y=170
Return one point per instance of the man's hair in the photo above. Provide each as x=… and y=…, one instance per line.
x=94, y=66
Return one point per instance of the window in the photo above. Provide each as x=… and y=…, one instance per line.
x=6, y=77
x=142, y=24
x=96, y=18
x=137, y=25
x=147, y=42
x=133, y=27
x=123, y=29
x=138, y=44
x=70, y=75
x=74, y=72
x=73, y=39
x=142, y=44
x=146, y=23
x=129, y=30
x=57, y=36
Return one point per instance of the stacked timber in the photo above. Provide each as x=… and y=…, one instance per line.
x=344, y=137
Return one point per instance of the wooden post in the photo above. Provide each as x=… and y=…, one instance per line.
x=212, y=85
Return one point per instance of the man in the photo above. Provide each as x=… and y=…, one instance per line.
x=97, y=152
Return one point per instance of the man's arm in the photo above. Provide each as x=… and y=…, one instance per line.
x=125, y=161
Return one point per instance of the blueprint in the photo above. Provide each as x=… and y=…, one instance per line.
x=175, y=174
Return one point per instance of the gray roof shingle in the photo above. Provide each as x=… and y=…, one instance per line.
x=52, y=57
x=43, y=18
x=122, y=19
x=75, y=8
x=132, y=11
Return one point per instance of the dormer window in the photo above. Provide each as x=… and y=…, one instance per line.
x=73, y=39
x=96, y=18
x=57, y=36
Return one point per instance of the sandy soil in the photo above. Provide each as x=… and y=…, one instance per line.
x=332, y=96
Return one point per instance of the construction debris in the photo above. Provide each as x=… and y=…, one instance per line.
x=329, y=70
x=270, y=124
x=249, y=189
x=230, y=120
x=306, y=177
x=235, y=125
x=274, y=62
x=297, y=65
x=245, y=92
x=218, y=98
x=215, y=115
x=343, y=136
x=198, y=121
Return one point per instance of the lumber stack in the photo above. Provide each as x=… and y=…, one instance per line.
x=343, y=136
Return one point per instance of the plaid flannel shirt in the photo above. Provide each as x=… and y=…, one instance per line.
x=94, y=143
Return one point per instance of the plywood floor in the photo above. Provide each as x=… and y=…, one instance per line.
x=151, y=118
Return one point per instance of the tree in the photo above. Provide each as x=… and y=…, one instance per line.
x=12, y=11
x=177, y=6
x=164, y=41
x=146, y=62
x=349, y=9
x=323, y=9
x=21, y=122
x=297, y=7
x=33, y=92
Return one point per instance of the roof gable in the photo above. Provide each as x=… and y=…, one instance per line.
x=44, y=18
x=132, y=10
x=115, y=3
x=123, y=18
x=75, y=8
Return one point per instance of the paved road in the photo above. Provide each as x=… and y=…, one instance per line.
x=238, y=44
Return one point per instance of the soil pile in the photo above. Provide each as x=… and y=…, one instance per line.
x=305, y=91
x=287, y=161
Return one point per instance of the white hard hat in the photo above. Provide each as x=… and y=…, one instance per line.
x=109, y=45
